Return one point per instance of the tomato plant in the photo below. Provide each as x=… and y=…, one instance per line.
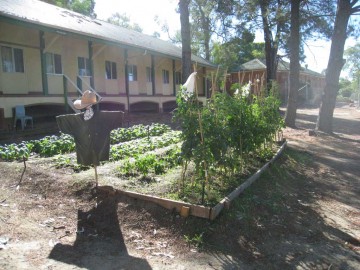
x=221, y=135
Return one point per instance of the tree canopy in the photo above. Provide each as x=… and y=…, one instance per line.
x=85, y=7
x=352, y=64
x=123, y=20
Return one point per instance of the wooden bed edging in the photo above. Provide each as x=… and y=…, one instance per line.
x=192, y=209
x=225, y=203
x=186, y=209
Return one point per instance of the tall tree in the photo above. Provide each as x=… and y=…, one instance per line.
x=185, y=39
x=345, y=8
x=203, y=16
x=271, y=43
x=237, y=51
x=294, y=46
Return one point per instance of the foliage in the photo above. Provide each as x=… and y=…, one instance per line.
x=68, y=162
x=352, y=64
x=196, y=240
x=15, y=151
x=54, y=145
x=139, y=146
x=138, y=131
x=85, y=7
x=151, y=163
x=45, y=147
x=123, y=20
x=222, y=134
x=237, y=51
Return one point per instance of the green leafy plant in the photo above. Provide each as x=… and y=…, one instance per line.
x=150, y=163
x=145, y=163
x=68, y=162
x=14, y=151
x=195, y=240
x=222, y=135
x=138, y=131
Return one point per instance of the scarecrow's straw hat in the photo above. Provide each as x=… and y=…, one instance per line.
x=88, y=98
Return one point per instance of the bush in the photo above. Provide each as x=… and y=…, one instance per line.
x=223, y=133
x=346, y=92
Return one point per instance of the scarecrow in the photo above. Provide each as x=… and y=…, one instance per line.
x=90, y=129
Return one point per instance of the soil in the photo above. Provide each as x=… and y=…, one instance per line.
x=304, y=213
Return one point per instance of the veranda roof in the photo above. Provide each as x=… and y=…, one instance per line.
x=40, y=14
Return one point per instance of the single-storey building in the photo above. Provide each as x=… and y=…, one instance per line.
x=254, y=71
x=49, y=55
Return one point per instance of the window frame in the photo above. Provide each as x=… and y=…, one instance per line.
x=110, y=70
x=178, y=78
x=56, y=64
x=85, y=71
x=166, y=76
x=148, y=74
x=16, y=63
x=132, y=73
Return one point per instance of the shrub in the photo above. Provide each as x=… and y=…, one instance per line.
x=221, y=134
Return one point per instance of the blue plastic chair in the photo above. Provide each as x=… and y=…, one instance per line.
x=20, y=115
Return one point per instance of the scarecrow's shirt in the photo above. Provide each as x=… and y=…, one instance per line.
x=92, y=137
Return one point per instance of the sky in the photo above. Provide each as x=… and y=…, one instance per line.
x=143, y=12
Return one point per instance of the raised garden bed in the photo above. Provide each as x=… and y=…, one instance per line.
x=195, y=171
x=145, y=164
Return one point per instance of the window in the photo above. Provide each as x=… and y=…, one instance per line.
x=148, y=74
x=12, y=59
x=53, y=63
x=178, y=77
x=166, y=79
x=110, y=70
x=132, y=73
x=84, y=66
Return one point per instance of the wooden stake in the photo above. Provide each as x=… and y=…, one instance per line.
x=96, y=176
x=22, y=175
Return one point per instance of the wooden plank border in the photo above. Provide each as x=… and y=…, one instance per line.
x=178, y=206
x=186, y=209
x=225, y=203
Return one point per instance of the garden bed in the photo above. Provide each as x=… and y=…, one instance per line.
x=145, y=163
x=186, y=209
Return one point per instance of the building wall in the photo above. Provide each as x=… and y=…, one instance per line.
x=102, y=53
x=161, y=64
x=27, y=88
x=28, y=40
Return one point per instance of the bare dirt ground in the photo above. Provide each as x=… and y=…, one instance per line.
x=304, y=213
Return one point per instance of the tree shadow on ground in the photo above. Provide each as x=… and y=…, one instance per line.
x=273, y=225
x=99, y=241
x=340, y=125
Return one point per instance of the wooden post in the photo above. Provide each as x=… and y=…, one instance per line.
x=96, y=176
x=44, y=79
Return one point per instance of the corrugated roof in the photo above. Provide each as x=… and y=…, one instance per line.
x=257, y=64
x=43, y=14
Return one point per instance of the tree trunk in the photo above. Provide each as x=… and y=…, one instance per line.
x=294, y=45
x=335, y=64
x=270, y=46
x=185, y=39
